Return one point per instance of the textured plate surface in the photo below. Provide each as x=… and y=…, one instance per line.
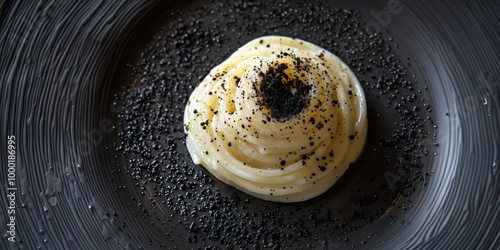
x=65, y=66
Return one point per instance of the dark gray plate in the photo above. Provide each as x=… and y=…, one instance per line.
x=62, y=64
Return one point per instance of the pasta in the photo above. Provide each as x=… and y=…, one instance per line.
x=281, y=119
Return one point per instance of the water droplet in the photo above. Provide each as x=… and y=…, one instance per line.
x=53, y=200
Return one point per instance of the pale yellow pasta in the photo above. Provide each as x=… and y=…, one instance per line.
x=281, y=119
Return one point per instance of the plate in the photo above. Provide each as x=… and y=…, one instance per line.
x=92, y=101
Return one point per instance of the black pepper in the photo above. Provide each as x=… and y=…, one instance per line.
x=282, y=95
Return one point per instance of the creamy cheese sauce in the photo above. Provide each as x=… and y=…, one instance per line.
x=281, y=119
